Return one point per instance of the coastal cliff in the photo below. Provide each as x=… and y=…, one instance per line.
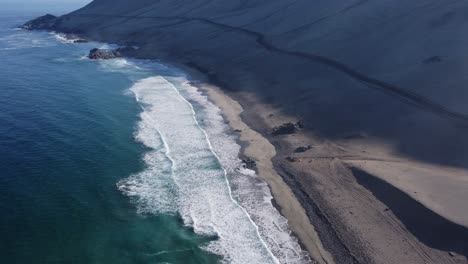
x=378, y=85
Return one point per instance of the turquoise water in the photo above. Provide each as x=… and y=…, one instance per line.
x=66, y=138
x=121, y=161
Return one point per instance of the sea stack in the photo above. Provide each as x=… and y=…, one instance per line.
x=102, y=54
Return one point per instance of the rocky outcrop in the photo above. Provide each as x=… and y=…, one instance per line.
x=46, y=22
x=80, y=41
x=249, y=164
x=286, y=129
x=105, y=54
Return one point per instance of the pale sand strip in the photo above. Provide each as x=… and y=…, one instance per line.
x=260, y=149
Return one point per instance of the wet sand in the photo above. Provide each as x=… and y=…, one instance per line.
x=262, y=151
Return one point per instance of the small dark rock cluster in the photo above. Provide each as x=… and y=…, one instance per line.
x=104, y=54
x=46, y=22
x=249, y=164
x=287, y=128
x=302, y=149
x=80, y=41
x=292, y=159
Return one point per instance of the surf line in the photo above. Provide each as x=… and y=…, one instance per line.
x=276, y=261
x=167, y=150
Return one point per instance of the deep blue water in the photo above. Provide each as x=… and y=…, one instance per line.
x=121, y=161
x=66, y=139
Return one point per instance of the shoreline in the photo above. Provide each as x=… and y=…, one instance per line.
x=333, y=232
x=283, y=185
x=257, y=147
x=341, y=222
x=253, y=145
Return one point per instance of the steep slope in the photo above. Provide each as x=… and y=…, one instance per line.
x=369, y=50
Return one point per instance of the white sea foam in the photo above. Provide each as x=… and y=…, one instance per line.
x=25, y=40
x=61, y=37
x=193, y=170
x=8, y=48
x=245, y=171
x=251, y=192
x=118, y=65
x=109, y=46
x=188, y=179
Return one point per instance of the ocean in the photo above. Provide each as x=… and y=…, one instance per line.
x=121, y=161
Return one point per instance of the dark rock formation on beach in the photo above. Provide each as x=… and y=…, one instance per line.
x=249, y=163
x=292, y=159
x=46, y=22
x=287, y=128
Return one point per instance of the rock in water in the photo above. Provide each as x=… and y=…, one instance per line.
x=102, y=54
x=46, y=22
x=249, y=163
x=80, y=41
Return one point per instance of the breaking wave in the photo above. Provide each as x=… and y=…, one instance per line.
x=193, y=170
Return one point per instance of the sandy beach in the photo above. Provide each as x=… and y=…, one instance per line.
x=258, y=148
x=335, y=194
